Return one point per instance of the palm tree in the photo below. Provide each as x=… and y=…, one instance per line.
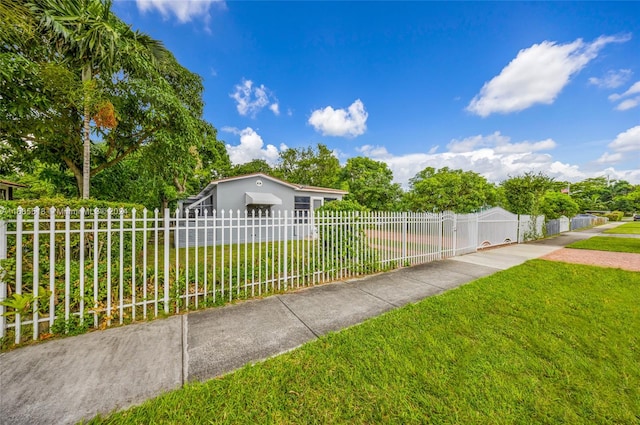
x=92, y=39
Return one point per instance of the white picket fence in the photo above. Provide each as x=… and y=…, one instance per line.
x=61, y=273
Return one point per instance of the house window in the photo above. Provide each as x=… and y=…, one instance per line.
x=3, y=194
x=302, y=205
x=258, y=210
x=330, y=200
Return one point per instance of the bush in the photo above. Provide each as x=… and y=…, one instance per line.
x=615, y=215
x=9, y=209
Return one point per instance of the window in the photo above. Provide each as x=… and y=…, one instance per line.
x=302, y=206
x=258, y=210
x=330, y=200
x=3, y=194
x=302, y=203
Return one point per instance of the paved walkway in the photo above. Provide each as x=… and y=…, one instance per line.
x=66, y=380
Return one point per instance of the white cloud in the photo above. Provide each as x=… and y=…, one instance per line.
x=183, y=10
x=627, y=141
x=251, y=147
x=496, y=158
x=628, y=103
x=536, y=75
x=612, y=79
x=351, y=122
x=608, y=158
x=251, y=100
x=499, y=143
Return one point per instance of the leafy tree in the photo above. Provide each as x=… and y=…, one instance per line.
x=523, y=194
x=445, y=189
x=93, y=40
x=309, y=166
x=137, y=98
x=590, y=193
x=370, y=183
x=555, y=204
x=254, y=166
x=342, y=206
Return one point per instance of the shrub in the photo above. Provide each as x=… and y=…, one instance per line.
x=615, y=215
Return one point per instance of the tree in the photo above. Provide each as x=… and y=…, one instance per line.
x=453, y=190
x=522, y=194
x=555, y=204
x=370, y=183
x=251, y=167
x=308, y=166
x=142, y=100
x=94, y=44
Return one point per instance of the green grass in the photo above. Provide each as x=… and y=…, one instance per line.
x=539, y=343
x=632, y=228
x=603, y=243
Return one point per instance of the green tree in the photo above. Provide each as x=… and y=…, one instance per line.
x=91, y=38
x=555, y=204
x=590, y=193
x=309, y=166
x=254, y=166
x=453, y=190
x=155, y=102
x=523, y=194
x=370, y=183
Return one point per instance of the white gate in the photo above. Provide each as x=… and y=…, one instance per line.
x=497, y=226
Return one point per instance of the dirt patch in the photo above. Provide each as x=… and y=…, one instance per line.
x=620, y=260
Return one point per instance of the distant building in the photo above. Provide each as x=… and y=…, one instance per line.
x=6, y=189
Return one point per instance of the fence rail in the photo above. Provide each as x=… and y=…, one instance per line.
x=62, y=274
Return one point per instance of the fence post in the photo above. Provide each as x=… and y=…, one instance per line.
x=3, y=284
x=455, y=235
x=404, y=238
x=286, y=250
x=167, y=234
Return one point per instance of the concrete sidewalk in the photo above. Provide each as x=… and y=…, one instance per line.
x=67, y=380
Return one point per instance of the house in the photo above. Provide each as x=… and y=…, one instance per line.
x=208, y=217
x=6, y=189
x=259, y=193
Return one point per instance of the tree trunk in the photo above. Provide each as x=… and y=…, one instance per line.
x=76, y=173
x=86, y=154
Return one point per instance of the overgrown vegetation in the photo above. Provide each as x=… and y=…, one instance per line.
x=542, y=342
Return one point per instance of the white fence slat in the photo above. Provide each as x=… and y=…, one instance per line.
x=36, y=272
x=109, y=211
x=145, y=253
x=82, y=265
x=167, y=238
x=67, y=263
x=95, y=267
x=19, y=228
x=121, y=267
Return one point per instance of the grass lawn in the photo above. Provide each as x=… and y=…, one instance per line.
x=539, y=343
x=632, y=228
x=603, y=243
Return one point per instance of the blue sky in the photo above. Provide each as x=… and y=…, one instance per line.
x=497, y=88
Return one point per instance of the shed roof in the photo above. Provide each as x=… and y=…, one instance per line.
x=12, y=184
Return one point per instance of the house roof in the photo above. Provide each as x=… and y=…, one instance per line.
x=297, y=187
x=12, y=184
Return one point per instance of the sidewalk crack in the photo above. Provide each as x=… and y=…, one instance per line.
x=298, y=317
